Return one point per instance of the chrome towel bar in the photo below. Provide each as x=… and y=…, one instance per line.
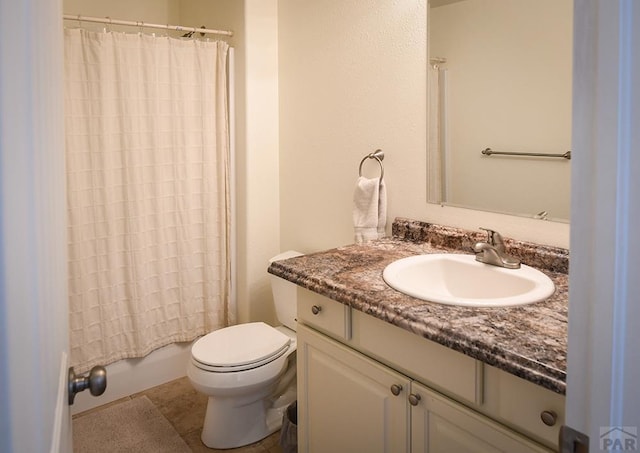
x=489, y=152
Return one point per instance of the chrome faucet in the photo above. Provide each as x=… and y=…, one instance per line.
x=493, y=251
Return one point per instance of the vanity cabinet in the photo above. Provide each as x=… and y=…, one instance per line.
x=362, y=388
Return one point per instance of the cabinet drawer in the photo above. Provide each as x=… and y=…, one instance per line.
x=519, y=403
x=324, y=314
x=441, y=368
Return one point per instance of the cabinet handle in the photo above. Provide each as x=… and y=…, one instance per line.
x=414, y=399
x=316, y=309
x=396, y=389
x=549, y=418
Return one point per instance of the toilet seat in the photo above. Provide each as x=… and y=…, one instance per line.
x=240, y=347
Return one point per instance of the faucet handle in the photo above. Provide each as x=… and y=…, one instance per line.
x=490, y=234
x=494, y=238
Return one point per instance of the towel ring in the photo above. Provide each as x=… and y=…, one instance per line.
x=378, y=155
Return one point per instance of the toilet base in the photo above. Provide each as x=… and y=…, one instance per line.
x=227, y=425
x=230, y=426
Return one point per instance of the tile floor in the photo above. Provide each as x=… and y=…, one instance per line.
x=185, y=409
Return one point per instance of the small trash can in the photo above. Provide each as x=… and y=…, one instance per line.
x=289, y=431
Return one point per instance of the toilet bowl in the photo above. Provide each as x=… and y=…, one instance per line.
x=248, y=373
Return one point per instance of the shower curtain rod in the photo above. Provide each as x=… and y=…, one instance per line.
x=135, y=23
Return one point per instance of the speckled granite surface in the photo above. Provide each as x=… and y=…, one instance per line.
x=528, y=341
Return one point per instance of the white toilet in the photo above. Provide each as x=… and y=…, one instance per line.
x=248, y=372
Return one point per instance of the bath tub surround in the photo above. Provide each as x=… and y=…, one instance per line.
x=527, y=341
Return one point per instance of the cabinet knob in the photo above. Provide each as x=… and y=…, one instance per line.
x=396, y=389
x=549, y=418
x=316, y=309
x=414, y=399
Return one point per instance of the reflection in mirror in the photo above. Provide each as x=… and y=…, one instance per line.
x=500, y=77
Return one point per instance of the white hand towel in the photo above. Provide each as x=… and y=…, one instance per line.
x=369, y=209
x=382, y=210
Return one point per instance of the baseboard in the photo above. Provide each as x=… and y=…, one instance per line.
x=130, y=376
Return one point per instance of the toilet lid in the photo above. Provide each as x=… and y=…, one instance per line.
x=240, y=346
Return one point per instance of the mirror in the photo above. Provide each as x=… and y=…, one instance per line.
x=500, y=77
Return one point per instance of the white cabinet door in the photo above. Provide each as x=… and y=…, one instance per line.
x=345, y=401
x=440, y=425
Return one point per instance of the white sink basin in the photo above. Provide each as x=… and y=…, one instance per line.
x=461, y=280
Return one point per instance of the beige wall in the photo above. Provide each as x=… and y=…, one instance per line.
x=352, y=79
x=153, y=11
x=259, y=213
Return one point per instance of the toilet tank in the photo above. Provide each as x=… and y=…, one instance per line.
x=284, y=294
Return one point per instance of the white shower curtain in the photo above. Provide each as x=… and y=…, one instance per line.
x=147, y=144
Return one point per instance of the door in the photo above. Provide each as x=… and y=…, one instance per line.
x=347, y=402
x=34, y=414
x=604, y=309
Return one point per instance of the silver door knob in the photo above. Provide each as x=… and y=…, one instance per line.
x=316, y=309
x=396, y=389
x=414, y=399
x=96, y=382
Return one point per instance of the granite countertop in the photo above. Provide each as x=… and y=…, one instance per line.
x=529, y=341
